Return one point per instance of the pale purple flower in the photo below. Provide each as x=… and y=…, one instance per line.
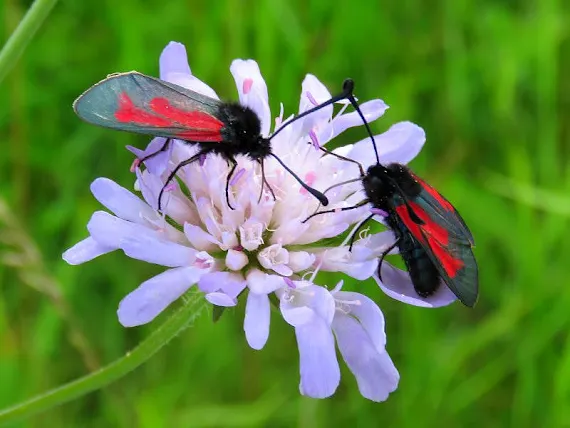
x=263, y=247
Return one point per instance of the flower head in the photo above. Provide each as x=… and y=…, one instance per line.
x=262, y=246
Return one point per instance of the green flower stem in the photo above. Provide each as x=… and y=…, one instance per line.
x=177, y=322
x=20, y=38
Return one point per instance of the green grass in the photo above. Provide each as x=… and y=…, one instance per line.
x=488, y=81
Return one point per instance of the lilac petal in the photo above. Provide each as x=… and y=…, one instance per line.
x=257, y=318
x=263, y=283
x=320, y=372
x=158, y=163
x=119, y=200
x=84, y=251
x=199, y=238
x=252, y=90
x=300, y=260
x=401, y=143
x=374, y=245
x=236, y=260
x=193, y=83
x=173, y=59
x=229, y=283
x=109, y=230
x=148, y=248
x=138, y=241
x=398, y=285
x=296, y=315
x=154, y=295
x=174, y=68
x=321, y=301
x=367, y=312
x=374, y=371
x=371, y=110
x=221, y=299
x=313, y=91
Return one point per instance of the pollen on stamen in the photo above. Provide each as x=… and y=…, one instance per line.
x=247, y=84
x=237, y=176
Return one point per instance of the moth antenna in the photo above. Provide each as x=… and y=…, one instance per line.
x=322, y=198
x=350, y=97
x=347, y=87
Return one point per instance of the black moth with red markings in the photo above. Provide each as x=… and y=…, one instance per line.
x=433, y=239
x=134, y=102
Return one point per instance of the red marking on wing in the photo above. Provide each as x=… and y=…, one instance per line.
x=432, y=235
x=435, y=194
x=129, y=113
x=200, y=126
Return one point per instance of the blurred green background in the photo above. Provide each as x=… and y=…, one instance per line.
x=489, y=82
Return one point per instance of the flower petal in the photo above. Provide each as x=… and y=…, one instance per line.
x=313, y=93
x=252, y=90
x=138, y=241
x=401, y=143
x=300, y=260
x=263, y=283
x=148, y=248
x=174, y=68
x=397, y=284
x=85, y=251
x=236, y=260
x=154, y=295
x=173, y=59
x=221, y=299
x=374, y=371
x=371, y=110
x=157, y=163
x=367, y=312
x=119, y=200
x=320, y=372
x=257, y=318
x=228, y=283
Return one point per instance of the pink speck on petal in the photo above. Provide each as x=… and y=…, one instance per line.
x=135, y=165
x=170, y=187
x=312, y=99
x=247, y=84
x=202, y=263
x=237, y=248
x=314, y=139
x=289, y=282
x=310, y=178
x=237, y=176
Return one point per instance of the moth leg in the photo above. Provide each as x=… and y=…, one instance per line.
x=162, y=149
x=344, y=158
x=175, y=171
x=384, y=254
x=360, y=226
x=228, y=179
x=358, y=205
x=264, y=181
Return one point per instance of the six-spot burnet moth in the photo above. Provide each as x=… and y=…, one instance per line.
x=433, y=239
x=142, y=104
